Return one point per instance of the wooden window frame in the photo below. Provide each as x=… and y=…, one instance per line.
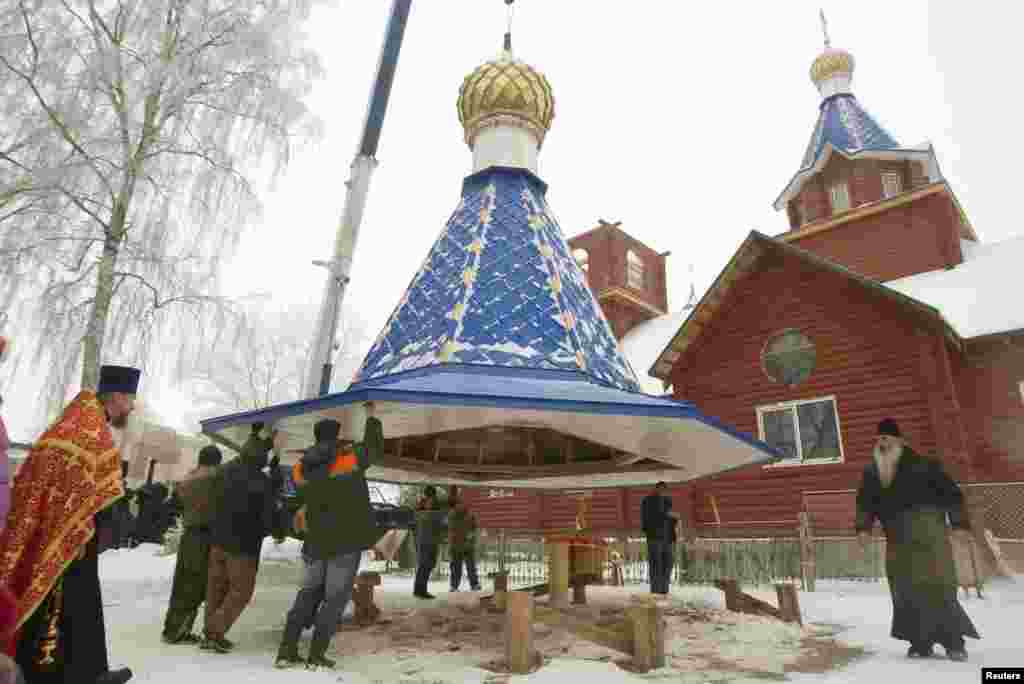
x=898, y=182
x=790, y=463
x=633, y=260
x=832, y=196
x=584, y=264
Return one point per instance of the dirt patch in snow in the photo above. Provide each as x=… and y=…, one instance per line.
x=699, y=638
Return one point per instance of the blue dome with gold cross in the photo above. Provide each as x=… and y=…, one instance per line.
x=500, y=288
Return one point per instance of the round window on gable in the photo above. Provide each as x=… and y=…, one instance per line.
x=789, y=357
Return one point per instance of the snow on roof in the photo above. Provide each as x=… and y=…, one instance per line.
x=976, y=297
x=645, y=342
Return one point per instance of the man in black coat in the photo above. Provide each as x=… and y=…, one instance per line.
x=912, y=496
x=659, y=526
x=246, y=512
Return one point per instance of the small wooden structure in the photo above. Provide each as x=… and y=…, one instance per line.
x=741, y=602
x=641, y=635
x=366, y=611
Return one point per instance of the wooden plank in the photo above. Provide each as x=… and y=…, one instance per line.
x=437, y=450
x=648, y=637
x=536, y=589
x=615, y=639
x=519, y=632
x=558, y=574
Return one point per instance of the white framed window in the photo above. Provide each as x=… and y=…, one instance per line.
x=634, y=270
x=892, y=184
x=807, y=431
x=1020, y=386
x=582, y=258
x=839, y=195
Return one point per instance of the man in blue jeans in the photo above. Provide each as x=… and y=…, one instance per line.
x=339, y=525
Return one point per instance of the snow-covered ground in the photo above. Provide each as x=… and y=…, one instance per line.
x=448, y=640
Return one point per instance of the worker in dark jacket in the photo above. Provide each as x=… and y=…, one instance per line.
x=462, y=531
x=188, y=590
x=339, y=524
x=430, y=530
x=246, y=512
x=659, y=526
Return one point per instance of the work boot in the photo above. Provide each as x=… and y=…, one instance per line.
x=115, y=676
x=317, y=660
x=217, y=644
x=288, y=657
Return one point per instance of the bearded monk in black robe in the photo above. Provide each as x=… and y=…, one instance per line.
x=912, y=497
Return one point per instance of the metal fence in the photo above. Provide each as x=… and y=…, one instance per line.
x=751, y=561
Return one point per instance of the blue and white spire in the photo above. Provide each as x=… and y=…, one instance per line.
x=500, y=287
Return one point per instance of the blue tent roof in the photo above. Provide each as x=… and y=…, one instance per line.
x=453, y=397
x=845, y=125
x=499, y=333
x=500, y=288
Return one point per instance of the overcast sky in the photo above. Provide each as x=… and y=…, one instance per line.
x=682, y=123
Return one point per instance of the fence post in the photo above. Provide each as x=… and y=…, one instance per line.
x=519, y=632
x=808, y=567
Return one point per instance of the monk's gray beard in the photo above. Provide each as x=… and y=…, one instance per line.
x=886, y=462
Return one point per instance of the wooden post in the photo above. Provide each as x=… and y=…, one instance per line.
x=808, y=566
x=500, y=590
x=732, y=594
x=579, y=590
x=648, y=637
x=558, y=574
x=789, y=603
x=365, y=609
x=519, y=632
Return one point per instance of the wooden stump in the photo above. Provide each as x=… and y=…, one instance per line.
x=789, y=603
x=519, y=632
x=558, y=575
x=366, y=611
x=648, y=631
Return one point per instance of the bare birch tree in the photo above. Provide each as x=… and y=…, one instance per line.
x=131, y=133
x=266, y=363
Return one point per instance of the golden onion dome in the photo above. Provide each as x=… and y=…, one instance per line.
x=829, y=63
x=506, y=91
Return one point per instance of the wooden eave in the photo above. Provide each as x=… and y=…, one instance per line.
x=742, y=263
x=622, y=293
x=877, y=207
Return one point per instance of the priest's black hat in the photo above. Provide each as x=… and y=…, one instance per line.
x=119, y=379
x=326, y=430
x=889, y=427
x=210, y=455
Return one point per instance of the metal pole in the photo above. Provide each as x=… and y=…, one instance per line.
x=318, y=378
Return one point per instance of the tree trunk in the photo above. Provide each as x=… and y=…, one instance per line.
x=104, y=295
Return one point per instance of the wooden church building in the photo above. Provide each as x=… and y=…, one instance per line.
x=879, y=301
